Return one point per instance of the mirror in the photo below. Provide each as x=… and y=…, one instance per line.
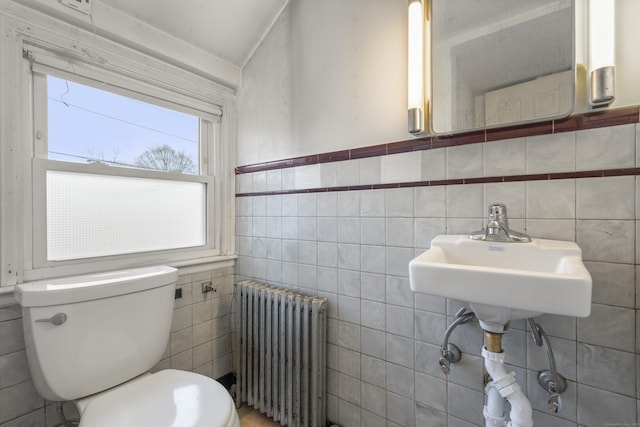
x=500, y=62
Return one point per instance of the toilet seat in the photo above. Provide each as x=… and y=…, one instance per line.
x=168, y=398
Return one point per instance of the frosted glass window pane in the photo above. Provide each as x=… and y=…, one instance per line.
x=97, y=215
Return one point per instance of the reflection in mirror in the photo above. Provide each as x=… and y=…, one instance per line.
x=500, y=62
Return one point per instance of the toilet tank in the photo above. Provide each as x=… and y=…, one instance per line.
x=116, y=326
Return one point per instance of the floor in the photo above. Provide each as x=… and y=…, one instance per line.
x=250, y=417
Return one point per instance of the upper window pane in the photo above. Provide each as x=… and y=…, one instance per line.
x=91, y=125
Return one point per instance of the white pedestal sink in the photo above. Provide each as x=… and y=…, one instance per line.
x=503, y=281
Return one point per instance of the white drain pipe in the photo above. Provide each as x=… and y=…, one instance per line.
x=505, y=383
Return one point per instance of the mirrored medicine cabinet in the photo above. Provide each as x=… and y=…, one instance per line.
x=495, y=63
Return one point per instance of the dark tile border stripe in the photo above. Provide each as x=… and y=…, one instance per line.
x=461, y=181
x=619, y=116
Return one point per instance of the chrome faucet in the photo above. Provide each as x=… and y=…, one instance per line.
x=497, y=229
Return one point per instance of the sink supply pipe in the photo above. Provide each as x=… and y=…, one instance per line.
x=503, y=385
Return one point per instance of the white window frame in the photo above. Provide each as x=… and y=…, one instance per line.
x=30, y=50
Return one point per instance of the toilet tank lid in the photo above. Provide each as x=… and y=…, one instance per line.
x=67, y=290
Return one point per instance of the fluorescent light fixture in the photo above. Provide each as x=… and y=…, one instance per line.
x=416, y=61
x=601, y=51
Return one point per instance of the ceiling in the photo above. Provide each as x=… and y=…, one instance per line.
x=228, y=29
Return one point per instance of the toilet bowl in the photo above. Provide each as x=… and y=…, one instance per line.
x=93, y=339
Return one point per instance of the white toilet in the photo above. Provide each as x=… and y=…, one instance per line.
x=92, y=340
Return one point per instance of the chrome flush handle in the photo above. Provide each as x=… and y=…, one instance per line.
x=57, y=319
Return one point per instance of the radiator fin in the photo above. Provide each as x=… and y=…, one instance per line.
x=280, y=353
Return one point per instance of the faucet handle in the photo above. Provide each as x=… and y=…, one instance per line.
x=497, y=211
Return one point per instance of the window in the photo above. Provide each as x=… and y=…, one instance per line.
x=120, y=176
x=122, y=161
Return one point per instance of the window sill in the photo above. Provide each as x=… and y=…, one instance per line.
x=184, y=267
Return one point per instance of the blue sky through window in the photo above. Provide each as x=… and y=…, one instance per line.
x=87, y=124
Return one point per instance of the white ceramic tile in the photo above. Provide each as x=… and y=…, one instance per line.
x=274, y=180
x=465, y=225
x=465, y=161
x=427, y=356
x=327, y=229
x=607, y=369
x=327, y=279
x=608, y=326
x=372, y=203
x=308, y=277
x=400, y=350
x=426, y=229
x=373, y=344
x=259, y=228
x=430, y=202
x=373, y=286
x=349, y=172
x=400, y=321
x=506, y=157
x=372, y=231
x=613, y=283
x=244, y=206
x=607, y=241
x=373, y=315
x=260, y=206
x=434, y=164
x=598, y=407
x=400, y=410
x=290, y=250
x=244, y=183
x=290, y=205
x=404, y=167
x=289, y=179
x=274, y=206
x=349, y=283
x=307, y=204
x=374, y=399
x=551, y=199
x=259, y=247
x=556, y=229
x=349, y=203
x=398, y=261
x=400, y=380
x=465, y=403
x=349, y=390
x=371, y=170
x=399, y=202
x=430, y=327
x=327, y=254
x=606, y=148
x=349, y=362
x=259, y=181
x=372, y=259
x=308, y=228
x=606, y=198
x=274, y=227
x=428, y=416
x=551, y=153
x=349, y=256
x=349, y=309
x=329, y=174
x=308, y=177
x=399, y=291
x=465, y=201
x=348, y=230
x=307, y=252
x=399, y=232
x=327, y=204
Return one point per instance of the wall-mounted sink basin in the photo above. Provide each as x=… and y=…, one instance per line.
x=505, y=281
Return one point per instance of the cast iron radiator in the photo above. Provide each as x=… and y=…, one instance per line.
x=280, y=353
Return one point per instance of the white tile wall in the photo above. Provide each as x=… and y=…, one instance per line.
x=384, y=340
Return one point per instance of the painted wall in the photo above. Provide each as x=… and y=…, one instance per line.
x=332, y=75
x=309, y=89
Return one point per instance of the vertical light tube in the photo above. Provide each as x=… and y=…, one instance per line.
x=602, y=51
x=416, y=67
